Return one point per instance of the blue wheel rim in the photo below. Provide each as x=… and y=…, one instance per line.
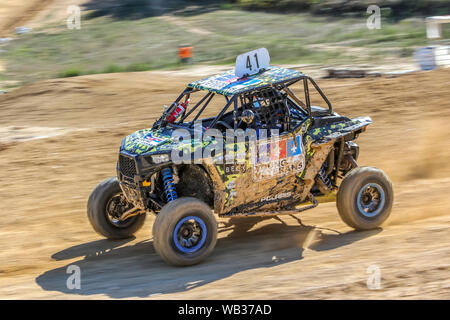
x=375, y=203
x=195, y=241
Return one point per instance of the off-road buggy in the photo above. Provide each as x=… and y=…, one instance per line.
x=299, y=155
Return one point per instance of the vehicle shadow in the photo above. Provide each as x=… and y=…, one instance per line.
x=119, y=270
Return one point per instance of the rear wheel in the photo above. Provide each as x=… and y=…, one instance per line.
x=365, y=198
x=105, y=206
x=184, y=232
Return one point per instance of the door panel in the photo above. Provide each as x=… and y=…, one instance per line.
x=268, y=177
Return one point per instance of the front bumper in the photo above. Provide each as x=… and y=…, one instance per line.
x=132, y=172
x=131, y=179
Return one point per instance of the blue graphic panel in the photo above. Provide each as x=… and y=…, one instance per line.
x=292, y=148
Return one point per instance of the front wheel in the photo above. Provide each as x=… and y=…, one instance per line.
x=105, y=206
x=184, y=232
x=365, y=198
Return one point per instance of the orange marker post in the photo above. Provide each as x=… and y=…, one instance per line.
x=185, y=54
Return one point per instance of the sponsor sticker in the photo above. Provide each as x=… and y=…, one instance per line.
x=279, y=159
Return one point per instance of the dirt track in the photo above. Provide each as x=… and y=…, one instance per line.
x=32, y=13
x=45, y=184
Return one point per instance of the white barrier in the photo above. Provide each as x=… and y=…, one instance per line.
x=442, y=56
x=434, y=30
x=432, y=57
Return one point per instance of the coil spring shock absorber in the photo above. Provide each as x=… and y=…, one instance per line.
x=324, y=177
x=169, y=187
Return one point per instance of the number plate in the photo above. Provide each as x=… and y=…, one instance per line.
x=252, y=62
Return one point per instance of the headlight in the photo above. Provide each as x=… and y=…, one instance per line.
x=160, y=158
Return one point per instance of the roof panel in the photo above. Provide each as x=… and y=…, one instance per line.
x=229, y=84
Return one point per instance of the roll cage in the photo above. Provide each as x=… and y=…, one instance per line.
x=273, y=98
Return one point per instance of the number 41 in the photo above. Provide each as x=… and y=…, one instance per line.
x=249, y=64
